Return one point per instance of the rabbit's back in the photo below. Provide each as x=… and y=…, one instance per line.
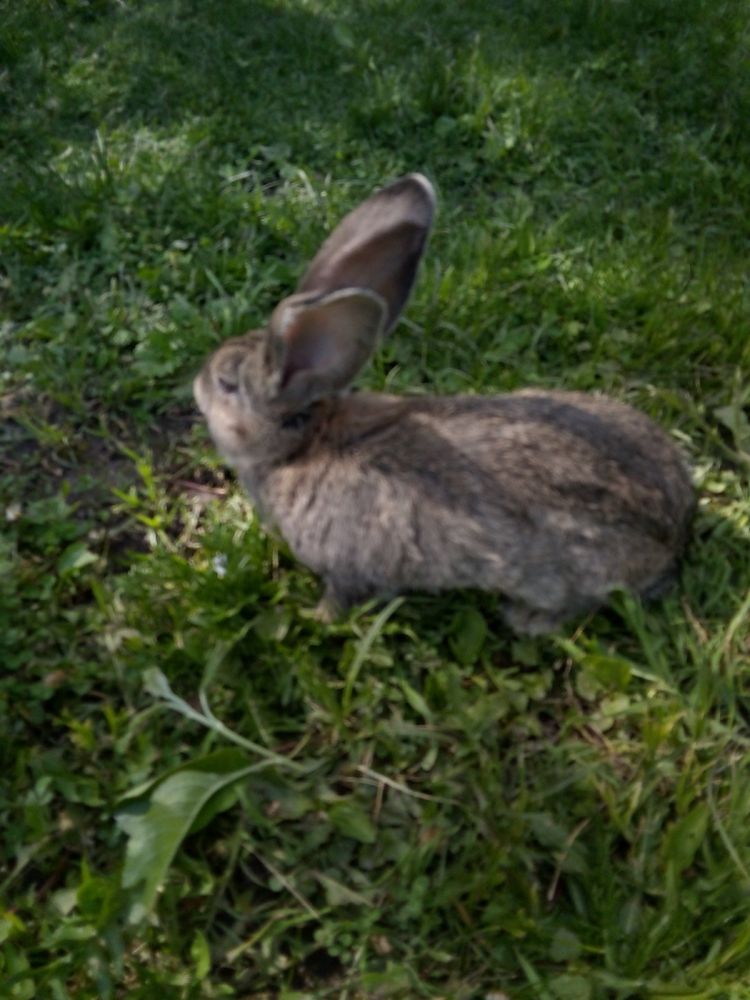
x=553, y=498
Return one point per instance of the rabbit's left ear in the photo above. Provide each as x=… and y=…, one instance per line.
x=317, y=344
x=378, y=245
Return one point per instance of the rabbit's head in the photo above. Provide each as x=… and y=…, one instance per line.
x=319, y=338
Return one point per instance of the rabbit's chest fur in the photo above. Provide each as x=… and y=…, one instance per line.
x=552, y=498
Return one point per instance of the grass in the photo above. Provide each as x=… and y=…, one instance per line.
x=206, y=793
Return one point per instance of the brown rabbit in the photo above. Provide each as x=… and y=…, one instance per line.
x=554, y=499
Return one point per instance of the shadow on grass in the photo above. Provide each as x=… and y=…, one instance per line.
x=257, y=68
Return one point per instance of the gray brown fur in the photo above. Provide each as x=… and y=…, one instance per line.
x=552, y=499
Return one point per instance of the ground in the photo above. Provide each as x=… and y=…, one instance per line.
x=205, y=791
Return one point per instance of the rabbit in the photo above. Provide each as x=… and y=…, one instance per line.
x=552, y=499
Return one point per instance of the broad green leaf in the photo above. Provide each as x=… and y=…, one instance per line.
x=98, y=899
x=272, y=624
x=734, y=419
x=395, y=981
x=289, y=802
x=157, y=825
x=611, y=671
x=469, y=630
x=75, y=557
x=338, y=894
x=343, y=36
x=415, y=700
x=219, y=762
x=548, y=831
x=685, y=837
x=224, y=799
x=351, y=820
x=64, y=901
x=526, y=651
x=201, y=955
x=10, y=926
x=156, y=683
x=72, y=933
x=14, y=968
x=570, y=988
x=565, y=946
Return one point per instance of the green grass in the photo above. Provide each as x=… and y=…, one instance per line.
x=458, y=813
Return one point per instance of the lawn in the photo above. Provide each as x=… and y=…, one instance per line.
x=205, y=792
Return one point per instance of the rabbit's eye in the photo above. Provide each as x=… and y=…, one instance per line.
x=227, y=385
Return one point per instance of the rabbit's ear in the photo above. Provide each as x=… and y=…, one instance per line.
x=378, y=245
x=318, y=343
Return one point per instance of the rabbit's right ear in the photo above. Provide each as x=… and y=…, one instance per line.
x=316, y=344
x=377, y=246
